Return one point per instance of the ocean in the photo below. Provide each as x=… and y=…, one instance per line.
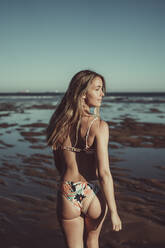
x=31, y=108
x=28, y=177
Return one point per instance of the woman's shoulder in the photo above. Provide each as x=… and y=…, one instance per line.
x=101, y=126
x=102, y=133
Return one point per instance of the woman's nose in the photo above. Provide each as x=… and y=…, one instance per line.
x=102, y=93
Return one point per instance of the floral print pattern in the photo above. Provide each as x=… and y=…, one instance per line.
x=77, y=192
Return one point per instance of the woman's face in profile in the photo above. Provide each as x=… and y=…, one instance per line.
x=95, y=93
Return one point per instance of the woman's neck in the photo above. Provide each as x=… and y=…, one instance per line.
x=86, y=112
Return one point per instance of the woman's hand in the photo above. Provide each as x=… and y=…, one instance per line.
x=116, y=222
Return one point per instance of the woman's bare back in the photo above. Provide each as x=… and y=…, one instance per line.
x=79, y=166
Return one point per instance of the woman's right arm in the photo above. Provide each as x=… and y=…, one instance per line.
x=105, y=177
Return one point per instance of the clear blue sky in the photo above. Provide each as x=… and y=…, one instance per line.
x=43, y=43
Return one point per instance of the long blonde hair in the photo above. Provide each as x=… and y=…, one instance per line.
x=68, y=113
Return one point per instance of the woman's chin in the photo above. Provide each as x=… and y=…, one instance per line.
x=99, y=104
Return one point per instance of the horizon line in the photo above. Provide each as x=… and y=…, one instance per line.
x=63, y=92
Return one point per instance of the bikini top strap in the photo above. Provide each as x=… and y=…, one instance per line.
x=86, y=145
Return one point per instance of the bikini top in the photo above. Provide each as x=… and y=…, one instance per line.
x=86, y=149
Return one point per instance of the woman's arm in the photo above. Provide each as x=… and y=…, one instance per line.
x=105, y=177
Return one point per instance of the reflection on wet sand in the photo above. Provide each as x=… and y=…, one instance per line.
x=29, y=183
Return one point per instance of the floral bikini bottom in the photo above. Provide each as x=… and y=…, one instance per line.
x=79, y=193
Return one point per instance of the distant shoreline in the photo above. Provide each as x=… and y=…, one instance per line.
x=145, y=94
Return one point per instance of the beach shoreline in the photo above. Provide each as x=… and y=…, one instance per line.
x=28, y=181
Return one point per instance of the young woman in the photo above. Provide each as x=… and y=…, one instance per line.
x=79, y=140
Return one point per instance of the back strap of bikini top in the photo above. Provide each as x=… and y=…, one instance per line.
x=87, y=134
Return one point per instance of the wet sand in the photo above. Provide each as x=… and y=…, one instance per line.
x=28, y=187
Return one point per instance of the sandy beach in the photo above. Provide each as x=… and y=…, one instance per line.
x=29, y=179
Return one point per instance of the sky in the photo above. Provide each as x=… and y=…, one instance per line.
x=43, y=43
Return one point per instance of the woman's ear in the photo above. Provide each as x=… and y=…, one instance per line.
x=84, y=96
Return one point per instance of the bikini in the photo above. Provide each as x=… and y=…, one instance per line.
x=80, y=193
x=86, y=149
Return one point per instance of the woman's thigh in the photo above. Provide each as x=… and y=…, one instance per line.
x=71, y=222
